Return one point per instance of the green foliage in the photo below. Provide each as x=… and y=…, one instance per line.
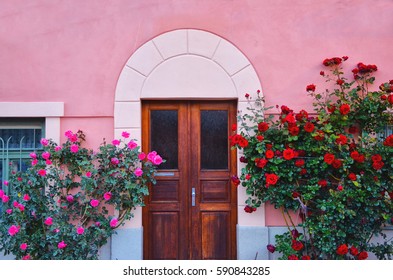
x=331, y=167
x=60, y=207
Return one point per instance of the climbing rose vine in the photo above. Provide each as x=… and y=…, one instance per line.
x=71, y=199
x=328, y=171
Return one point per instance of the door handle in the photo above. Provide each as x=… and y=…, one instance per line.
x=193, y=197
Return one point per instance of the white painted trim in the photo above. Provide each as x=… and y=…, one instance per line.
x=31, y=109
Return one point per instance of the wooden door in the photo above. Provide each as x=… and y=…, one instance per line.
x=191, y=212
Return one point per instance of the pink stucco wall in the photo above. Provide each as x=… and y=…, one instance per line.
x=73, y=51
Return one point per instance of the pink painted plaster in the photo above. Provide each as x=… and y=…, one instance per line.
x=73, y=51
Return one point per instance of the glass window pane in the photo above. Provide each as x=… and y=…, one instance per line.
x=25, y=138
x=164, y=136
x=214, y=139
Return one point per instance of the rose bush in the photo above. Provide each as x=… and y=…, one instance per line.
x=60, y=207
x=332, y=167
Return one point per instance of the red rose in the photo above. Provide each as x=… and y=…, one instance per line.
x=352, y=177
x=269, y=146
x=376, y=157
x=261, y=162
x=384, y=97
x=293, y=257
x=235, y=180
x=263, y=126
x=377, y=165
x=293, y=130
x=354, y=155
x=331, y=108
x=340, y=188
x=289, y=118
x=345, y=109
x=260, y=138
x=271, y=248
x=235, y=139
x=248, y=177
x=285, y=110
x=243, y=143
x=302, y=115
x=243, y=159
x=361, y=159
x=362, y=255
x=295, y=194
x=310, y=87
x=269, y=154
x=340, y=82
x=388, y=141
x=288, y=154
x=322, y=183
x=299, y=162
x=306, y=257
x=342, y=249
x=249, y=209
x=345, y=57
x=297, y=245
x=328, y=158
x=322, y=73
x=353, y=251
x=234, y=127
x=246, y=95
x=320, y=135
x=309, y=127
x=342, y=140
x=271, y=179
x=390, y=99
x=303, y=171
x=337, y=163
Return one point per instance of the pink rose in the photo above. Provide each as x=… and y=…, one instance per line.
x=74, y=148
x=9, y=211
x=13, y=230
x=157, y=160
x=115, y=142
x=142, y=156
x=34, y=162
x=15, y=204
x=80, y=230
x=56, y=230
x=48, y=221
x=1, y=193
x=113, y=223
x=115, y=161
x=71, y=136
x=70, y=198
x=42, y=172
x=88, y=174
x=138, y=172
x=44, y=142
x=61, y=245
x=57, y=148
x=27, y=257
x=151, y=155
x=21, y=207
x=107, y=195
x=33, y=155
x=26, y=197
x=6, y=183
x=48, y=162
x=5, y=198
x=68, y=133
x=23, y=246
x=132, y=145
x=97, y=224
x=45, y=155
x=125, y=134
x=94, y=202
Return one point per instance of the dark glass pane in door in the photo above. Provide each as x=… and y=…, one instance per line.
x=164, y=136
x=214, y=139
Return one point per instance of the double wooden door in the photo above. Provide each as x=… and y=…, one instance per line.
x=191, y=211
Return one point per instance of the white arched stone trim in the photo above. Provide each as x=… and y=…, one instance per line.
x=184, y=64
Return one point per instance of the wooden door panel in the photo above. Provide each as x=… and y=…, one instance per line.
x=215, y=191
x=215, y=235
x=164, y=235
x=165, y=191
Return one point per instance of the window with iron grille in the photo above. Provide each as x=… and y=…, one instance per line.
x=18, y=138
